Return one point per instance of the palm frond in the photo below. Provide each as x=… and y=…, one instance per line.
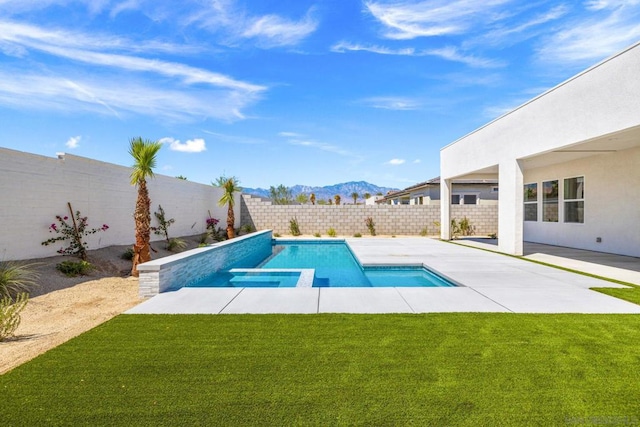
x=144, y=154
x=16, y=278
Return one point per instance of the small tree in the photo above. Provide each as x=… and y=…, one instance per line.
x=367, y=196
x=230, y=185
x=280, y=195
x=302, y=198
x=355, y=196
x=337, y=199
x=312, y=198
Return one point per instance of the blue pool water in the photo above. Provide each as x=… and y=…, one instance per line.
x=334, y=265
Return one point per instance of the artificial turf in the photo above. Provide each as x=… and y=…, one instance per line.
x=432, y=369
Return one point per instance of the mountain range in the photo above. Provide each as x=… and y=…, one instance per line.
x=344, y=189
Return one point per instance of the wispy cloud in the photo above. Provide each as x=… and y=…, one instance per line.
x=73, y=142
x=302, y=141
x=196, y=145
x=266, y=31
x=392, y=103
x=164, y=88
x=452, y=53
x=613, y=26
x=290, y=135
x=235, y=139
x=409, y=20
x=395, y=162
x=417, y=161
x=343, y=47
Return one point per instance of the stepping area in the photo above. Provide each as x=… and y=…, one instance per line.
x=489, y=282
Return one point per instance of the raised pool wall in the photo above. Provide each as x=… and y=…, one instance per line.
x=191, y=266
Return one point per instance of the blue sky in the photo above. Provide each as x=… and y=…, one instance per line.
x=287, y=92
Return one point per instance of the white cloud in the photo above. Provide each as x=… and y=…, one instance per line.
x=273, y=30
x=290, y=134
x=417, y=161
x=408, y=20
x=73, y=142
x=452, y=53
x=196, y=145
x=343, y=47
x=393, y=103
x=395, y=162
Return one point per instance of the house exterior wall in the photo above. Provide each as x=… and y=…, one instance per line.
x=599, y=102
x=611, y=203
x=35, y=189
x=349, y=219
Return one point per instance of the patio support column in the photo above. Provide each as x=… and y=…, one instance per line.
x=445, y=209
x=510, y=207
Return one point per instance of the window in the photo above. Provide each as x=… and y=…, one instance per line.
x=574, y=200
x=531, y=202
x=494, y=189
x=455, y=199
x=550, y=201
x=419, y=200
x=469, y=199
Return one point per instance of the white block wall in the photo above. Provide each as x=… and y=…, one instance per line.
x=34, y=189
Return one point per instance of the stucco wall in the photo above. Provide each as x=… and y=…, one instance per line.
x=611, y=180
x=349, y=219
x=34, y=189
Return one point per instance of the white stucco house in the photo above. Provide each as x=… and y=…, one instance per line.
x=464, y=192
x=567, y=163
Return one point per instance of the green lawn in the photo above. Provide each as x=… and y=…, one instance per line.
x=373, y=370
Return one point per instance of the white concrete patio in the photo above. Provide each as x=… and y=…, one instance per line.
x=490, y=282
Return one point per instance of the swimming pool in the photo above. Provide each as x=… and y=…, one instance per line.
x=298, y=263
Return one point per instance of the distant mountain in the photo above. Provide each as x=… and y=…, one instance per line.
x=329, y=191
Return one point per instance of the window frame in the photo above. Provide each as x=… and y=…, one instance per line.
x=566, y=201
x=530, y=202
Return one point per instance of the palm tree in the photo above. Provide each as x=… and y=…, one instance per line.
x=355, y=196
x=230, y=185
x=337, y=198
x=313, y=198
x=302, y=198
x=144, y=153
x=367, y=195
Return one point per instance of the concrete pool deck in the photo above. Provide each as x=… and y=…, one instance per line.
x=490, y=282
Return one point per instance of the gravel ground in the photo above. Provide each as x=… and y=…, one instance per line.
x=61, y=307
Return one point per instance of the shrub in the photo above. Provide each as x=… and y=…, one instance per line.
x=74, y=233
x=248, y=228
x=370, y=225
x=424, y=232
x=294, y=227
x=332, y=232
x=466, y=228
x=276, y=234
x=10, y=314
x=127, y=254
x=357, y=235
x=216, y=234
x=202, y=240
x=176, y=245
x=316, y=234
x=16, y=278
x=163, y=226
x=74, y=268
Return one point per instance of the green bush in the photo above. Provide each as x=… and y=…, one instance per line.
x=16, y=278
x=176, y=245
x=276, y=234
x=294, y=227
x=332, y=232
x=357, y=235
x=74, y=268
x=247, y=228
x=316, y=234
x=127, y=254
x=10, y=314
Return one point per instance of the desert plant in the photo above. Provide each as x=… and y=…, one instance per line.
x=332, y=232
x=466, y=228
x=176, y=245
x=294, y=227
x=230, y=185
x=73, y=232
x=276, y=234
x=16, y=278
x=493, y=236
x=163, y=225
x=144, y=153
x=280, y=195
x=10, y=314
x=316, y=234
x=74, y=268
x=357, y=235
x=367, y=195
x=184, y=178
x=312, y=198
x=217, y=234
x=370, y=225
x=424, y=232
x=337, y=198
x=248, y=228
x=302, y=198
x=202, y=240
x=127, y=254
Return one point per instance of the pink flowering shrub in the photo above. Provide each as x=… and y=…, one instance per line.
x=73, y=234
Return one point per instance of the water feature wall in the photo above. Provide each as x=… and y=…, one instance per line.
x=189, y=267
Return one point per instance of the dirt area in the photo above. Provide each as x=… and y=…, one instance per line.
x=61, y=307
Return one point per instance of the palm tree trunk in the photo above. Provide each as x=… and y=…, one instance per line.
x=231, y=219
x=142, y=219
